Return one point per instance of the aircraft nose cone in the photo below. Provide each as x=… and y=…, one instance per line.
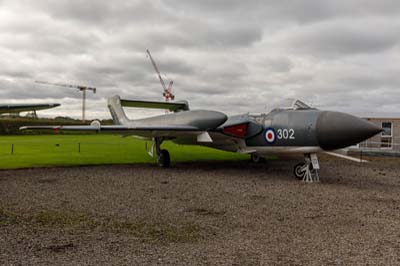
x=337, y=130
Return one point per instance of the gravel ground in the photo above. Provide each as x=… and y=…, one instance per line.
x=208, y=213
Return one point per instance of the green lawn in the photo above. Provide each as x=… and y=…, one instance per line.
x=63, y=150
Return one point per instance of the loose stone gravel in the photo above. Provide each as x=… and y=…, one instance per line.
x=205, y=213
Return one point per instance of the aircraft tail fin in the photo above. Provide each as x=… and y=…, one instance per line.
x=116, y=110
x=116, y=104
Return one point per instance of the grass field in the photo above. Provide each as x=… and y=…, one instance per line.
x=63, y=150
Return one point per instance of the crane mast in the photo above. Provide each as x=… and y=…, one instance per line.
x=83, y=89
x=167, y=93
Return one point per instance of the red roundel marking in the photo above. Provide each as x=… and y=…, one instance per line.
x=270, y=136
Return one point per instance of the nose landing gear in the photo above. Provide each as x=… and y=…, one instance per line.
x=308, y=171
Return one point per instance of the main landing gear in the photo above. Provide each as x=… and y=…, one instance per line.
x=308, y=171
x=163, y=158
x=255, y=158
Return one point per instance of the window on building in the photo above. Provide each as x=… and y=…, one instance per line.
x=386, y=138
x=386, y=142
x=387, y=129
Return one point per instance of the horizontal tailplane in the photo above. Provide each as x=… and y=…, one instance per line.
x=174, y=107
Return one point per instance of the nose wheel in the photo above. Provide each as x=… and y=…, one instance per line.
x=308, y=171
x=300, y=170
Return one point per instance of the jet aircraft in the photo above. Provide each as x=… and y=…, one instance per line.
x=18, y=108
x=295, y=130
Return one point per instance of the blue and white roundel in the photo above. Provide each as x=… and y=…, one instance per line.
x=270, y=135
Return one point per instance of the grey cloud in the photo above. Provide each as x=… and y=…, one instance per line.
x=220, y=34
x=368, y=80
x=40, y=34
x=190, y=34
x=299, y=11
x=276, y=64
x=344, y=37
x=111, y=15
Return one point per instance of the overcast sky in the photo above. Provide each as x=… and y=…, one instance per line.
x=229, y=55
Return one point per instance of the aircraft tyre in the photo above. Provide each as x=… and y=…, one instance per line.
x=255, y=158
x=299, y=171
x=163, y=159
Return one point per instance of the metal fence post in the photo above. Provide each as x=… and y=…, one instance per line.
x=79, y=147
x=12, y=148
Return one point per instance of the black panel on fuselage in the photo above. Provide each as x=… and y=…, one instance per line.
x=287, y=128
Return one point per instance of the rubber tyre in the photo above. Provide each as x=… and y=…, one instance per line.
x=164, y=159
x=255, y=158
x=299, y=175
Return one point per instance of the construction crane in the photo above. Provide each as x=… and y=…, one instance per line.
x=83, y=89
x=167, y=93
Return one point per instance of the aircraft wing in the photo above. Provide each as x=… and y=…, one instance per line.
x=112, y=128
x=17, y=108
x=142, y=131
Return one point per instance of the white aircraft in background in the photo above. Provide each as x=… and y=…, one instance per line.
x=25, y=107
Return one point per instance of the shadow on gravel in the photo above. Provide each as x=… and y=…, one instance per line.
x=76, y=223
x=205, y=212
x=58, y=248
x=262, y=167
x=339, y=172
x=245, y=164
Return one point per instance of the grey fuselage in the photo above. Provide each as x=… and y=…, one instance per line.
x=280, y=131
x=292, y=131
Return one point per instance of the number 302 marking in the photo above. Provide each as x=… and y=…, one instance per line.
x=286, y=133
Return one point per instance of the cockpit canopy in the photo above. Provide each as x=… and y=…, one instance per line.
x=291, y=104
x=286, y=104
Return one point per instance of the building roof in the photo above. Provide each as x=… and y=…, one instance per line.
x=383, y=118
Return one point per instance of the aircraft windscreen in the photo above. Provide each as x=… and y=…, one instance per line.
x=289, y=104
